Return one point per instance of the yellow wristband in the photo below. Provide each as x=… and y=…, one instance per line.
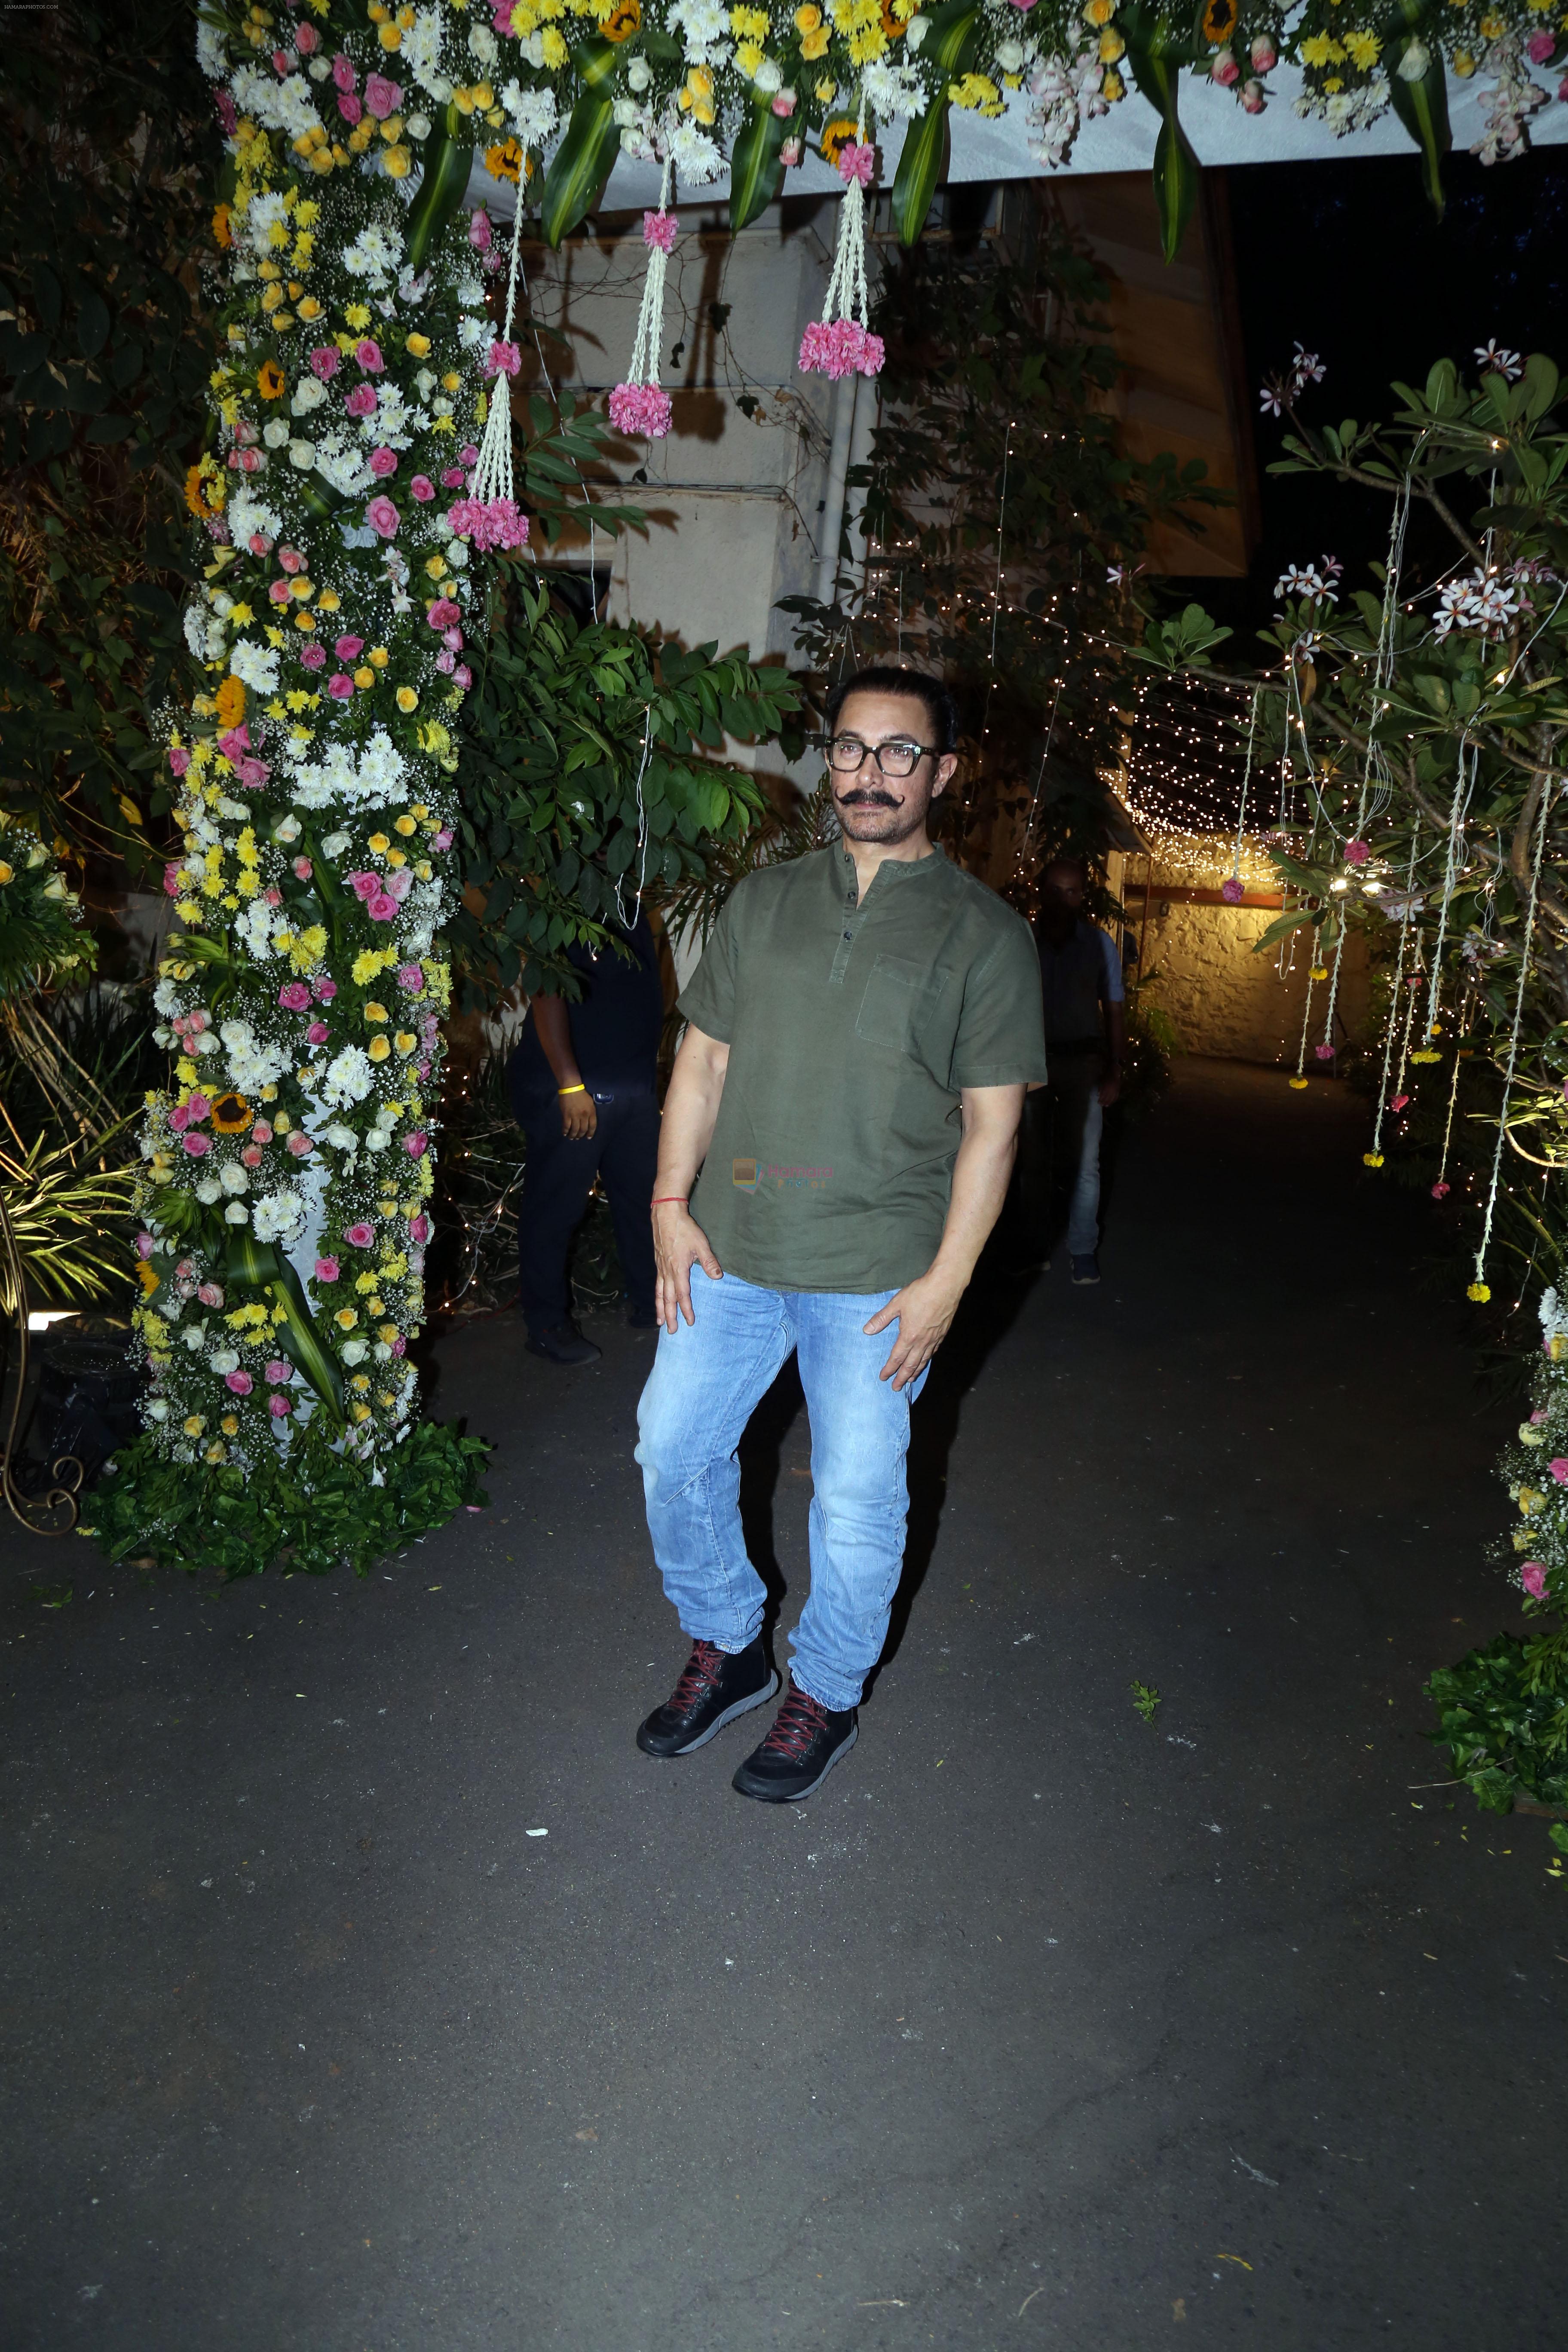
x=578, y=1089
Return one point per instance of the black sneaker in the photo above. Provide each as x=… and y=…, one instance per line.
x=564, y=1344
x=641, y=1318
x=1086, y=1268
x=800, y=1751
x=715, y=1689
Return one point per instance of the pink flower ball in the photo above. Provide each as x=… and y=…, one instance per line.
x=317, y=1034
x=411, y=979
x=1532, y=1575
x=417, y=1144
x=383, y=517
x=658, y=229
x=382, y=908
x=240, y=1383
x=1324, y=1053
x=1441, y=1192
x=341, y=686
x=322, y=989
x=382, y=462
x=299, y=1143
x=422, y=488
x=503, y=358
x=327, y=1269
x=280, y=1407
x=361, y=401
x=348, y=648
x=294, y=996
x=325, y=362
x=367, y=351
x=199, y=1146
x=382, y=97
x=1232, y=890
x=1357, y=853
x=640, y=409
x=314, y=655
x=360, y=1236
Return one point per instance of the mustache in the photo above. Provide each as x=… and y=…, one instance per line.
x=867, y=796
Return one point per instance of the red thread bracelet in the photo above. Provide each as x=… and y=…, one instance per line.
x=669, y=1200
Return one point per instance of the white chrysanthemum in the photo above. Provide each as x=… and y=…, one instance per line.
x=212, y=50
x=248, y=516
x=705, y=23
x=696, y=157
x=343, y=465
x=349, y=1077
x=531, y=113
x=890, y=90
x=420, y=55
x=254, y=928
x=278, y=1217
x=264, y=213
x=256, y=665
x=196, y=620
x=374, y=255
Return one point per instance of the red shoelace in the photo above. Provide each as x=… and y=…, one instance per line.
x=703, y=1669
x=795, y=1725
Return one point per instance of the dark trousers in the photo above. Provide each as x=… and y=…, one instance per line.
x=557, y=1180
x=1059, y=1152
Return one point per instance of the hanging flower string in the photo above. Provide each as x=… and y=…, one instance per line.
x=1357, y=850
x=840, y=342
x=1463, y=788
x=1479, y=1289
x=1299, y=1080
x=1442, y=1188
x=1374, y=1158
x=487, y=517
x=1233, y=889
x=639, y=406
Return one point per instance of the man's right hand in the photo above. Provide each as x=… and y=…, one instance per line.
x=579, y=1120
x=678, y=1244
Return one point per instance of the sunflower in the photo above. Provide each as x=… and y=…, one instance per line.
x=204, y=489
x=221, y=228
x=1219, y=21
x=835, y=135
x=272, y=381
x=230, y=701
x=231, y=1114
x=892, y=26
x=504, y=161
x=623, y=21
x=147, y=1276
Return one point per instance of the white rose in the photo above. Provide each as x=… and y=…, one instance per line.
x=767, y=77
x=208, y=1192
x=207, y=1044
x=1010, y=56
x=353, y=1352
x=236, y=1214
x=417, y=126
x=640, y=73
x=233, y=1178
x=275, y=432
x=225, y=1360
x=625, y=111
x=157, y=1407
x=288, y=831
x=918, y=26
x=302, y=455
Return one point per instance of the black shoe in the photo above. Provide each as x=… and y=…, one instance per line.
x=1086, y=1268
x=564, y=1344
x=715, y=1689
x=641, y=1318
x=800, y=1751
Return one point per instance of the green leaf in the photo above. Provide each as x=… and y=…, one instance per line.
x=1154, y=66
x=1421, y=106
x=447, y=160
x=91, y=324
x=756, y=174
x=950, y=43
x=583, y=161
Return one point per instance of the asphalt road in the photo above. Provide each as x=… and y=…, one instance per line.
x=1042, y=2026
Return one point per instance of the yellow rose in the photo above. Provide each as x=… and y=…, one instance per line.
x=378, y=1049
x=408, y=699
x=417, y=346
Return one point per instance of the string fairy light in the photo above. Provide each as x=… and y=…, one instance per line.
x=1463, y=789
x=1374, y=1158
x=1479, y=1289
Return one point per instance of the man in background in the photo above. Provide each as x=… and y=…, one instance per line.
x=1086, y=1036
x=585, y=1090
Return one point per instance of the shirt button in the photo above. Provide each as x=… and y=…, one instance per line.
x=850, y=935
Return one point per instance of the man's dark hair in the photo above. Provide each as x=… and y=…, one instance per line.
x=1068, y=857
x=886, y=677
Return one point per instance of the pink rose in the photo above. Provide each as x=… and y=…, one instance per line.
x=1538, y=1416
x=364, y=884
x=199, y=1146
x=446, y=662
x=442, y=840
x=790, y=153
x=307, y=40
x=327, y=1269
x=382, y=97
x=361, y=401
x=469, y=454
x=198, y=1105
x=211, y=1294
x=180, y=1118
x=322, y=989
x=302, y=869
x=417, y=1144
x=463, y=675
x=419, y=1227
x=317, y=1035
x=479, y=232
x=349, y=106
x=240, y=1383
x=1532, y=1575
x=315, y=657
x=368, y=354
x=452, y=479
x=348, y=648
x=145, y=1245
x=173, y=882
x=261, y=1132
x=1222, y=68
x=299, y=1143
x=1559, y=1469
x=383, y=517
x=411, y=979
x=400, y=1346
x=400, y=883
x=453, y=640
x=325, y=362
x=1539, y=47
x=424, y=489
x=1265, y=57
x=179, y=760
x=251, y=1155
x=784, y=104
x=1253, y=96
x=341, y=687
x=442, y=612
x=291, y=559
x=279, y=1370
x=360, y=1236
x=280, y=1407
x=382, y=462
x=294, y=996
x=278, y=591
x=228, y=113
x=343, y=72
x=382, y=908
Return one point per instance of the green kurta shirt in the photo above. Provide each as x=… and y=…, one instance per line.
x=852, y=1023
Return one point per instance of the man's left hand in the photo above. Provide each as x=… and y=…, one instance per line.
x=923, y=1310
x=1109, y=1088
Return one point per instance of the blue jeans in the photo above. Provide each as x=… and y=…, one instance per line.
x=707, y=1378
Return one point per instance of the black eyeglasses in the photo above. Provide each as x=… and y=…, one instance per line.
x=846, y=755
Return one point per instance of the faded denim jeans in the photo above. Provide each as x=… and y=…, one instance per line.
x=707, y=1378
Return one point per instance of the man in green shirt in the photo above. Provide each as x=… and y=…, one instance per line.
x=837, y=1143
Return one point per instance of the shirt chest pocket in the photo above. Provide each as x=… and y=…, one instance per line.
x=901, y=1000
